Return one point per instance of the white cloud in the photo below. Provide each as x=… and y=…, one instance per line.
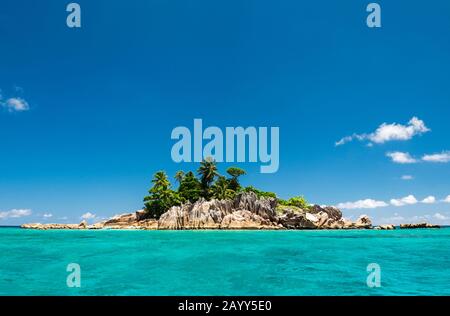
x=15, y=213
x=389, y=132
x=406, y=158
x=362, y=204
x=16, y=105
x=47, y=215
x=401, y=157
x=447, y=199
x=442, y=157
x=429, y=200
x=407, y=177
x=348, y=139
x=407, y=200
x=439, y=216
x=88, y=215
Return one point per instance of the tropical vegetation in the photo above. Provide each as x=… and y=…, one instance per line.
x=208, y=184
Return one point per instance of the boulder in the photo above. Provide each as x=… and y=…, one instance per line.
x=311, y=217
x=174, y=218
x=83, y=224
x=243, y=219
x=121, y=220
x=264, y=207
x=341, y=223
x=141, y=215
x=323, y=219
x=206, y=214
x=99, y=225
x=293, y=220
x=332, y=212
x=363, y=222
x=149, y=224
x=385, y=227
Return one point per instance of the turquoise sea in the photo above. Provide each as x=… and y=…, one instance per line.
x=412, y=262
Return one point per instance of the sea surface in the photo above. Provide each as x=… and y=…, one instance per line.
x=412, y=262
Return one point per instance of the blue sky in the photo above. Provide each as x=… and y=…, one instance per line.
x=86, y=114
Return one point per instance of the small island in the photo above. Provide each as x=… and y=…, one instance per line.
x=213, y=201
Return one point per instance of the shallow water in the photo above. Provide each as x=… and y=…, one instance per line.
x=413, y=262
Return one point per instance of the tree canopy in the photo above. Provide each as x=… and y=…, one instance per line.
x=209, y=184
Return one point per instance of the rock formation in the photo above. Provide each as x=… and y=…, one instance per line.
x=419, y=225
x=245, y=211
x=385, y=227
x=54, y=226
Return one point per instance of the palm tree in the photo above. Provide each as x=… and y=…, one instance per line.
x=179, y=176
x=161, y=197
x=235, y=173
x=160, y=180
x=207, y=172
x=220, y=189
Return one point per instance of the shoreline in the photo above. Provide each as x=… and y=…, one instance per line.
x=246, y=211
x=397, y=228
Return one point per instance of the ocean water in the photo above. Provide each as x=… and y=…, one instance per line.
x=412, y=262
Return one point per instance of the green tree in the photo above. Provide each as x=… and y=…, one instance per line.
x=190, y=188
x=161, y=197
x=207, y=172
x=298, y=201
x=220, y=189
x=260, y=193
x=179, y=176
x=235, y=173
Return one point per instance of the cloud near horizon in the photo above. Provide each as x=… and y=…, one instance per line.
x=406, y=158
x=372, y=204
x=88, y=216
x=442, y=157
x=401, y=157
x=389, y=132
x=429, y=200
x=15, y=213
x=407, y=200
x=362, y=204
x=15, y=105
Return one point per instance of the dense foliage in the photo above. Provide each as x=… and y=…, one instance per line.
x=235, y=173
x=298, y=201
x=161, y=197
x=209, y=184
x=190, y=188
x=260, y=193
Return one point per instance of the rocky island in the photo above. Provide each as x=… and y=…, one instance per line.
x=216, y=202
x=245, y=211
